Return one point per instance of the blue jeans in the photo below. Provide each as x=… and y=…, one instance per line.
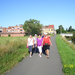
x=35, y=47
x=30, y=48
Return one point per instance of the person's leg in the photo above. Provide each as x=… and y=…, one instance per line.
x=35, y=47
x=40, y=50
x=45, y=50
x=48, y=51
x=31, y=50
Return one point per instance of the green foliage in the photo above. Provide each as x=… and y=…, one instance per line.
x=24, y=35
x=60, y=30
x=70, y=29
x=67, y=56
x=73, y=37
x=8, y=35
x=20, y=59
x=32, y=26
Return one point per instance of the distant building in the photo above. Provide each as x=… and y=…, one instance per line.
x=48, y=29
x=1, y=29
x=15, y=29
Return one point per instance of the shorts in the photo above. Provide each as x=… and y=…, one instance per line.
x=30, y=48
x=45, y=47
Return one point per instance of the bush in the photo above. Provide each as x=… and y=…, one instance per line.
x=24, y=35
x=8, y=35
x=0, y=35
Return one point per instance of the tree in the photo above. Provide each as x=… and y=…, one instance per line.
x=70, y=29
x=61, y=29
x=66, y=30
x=57, y=30
x=32, y=26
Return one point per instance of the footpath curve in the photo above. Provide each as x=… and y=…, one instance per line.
x=40, y=66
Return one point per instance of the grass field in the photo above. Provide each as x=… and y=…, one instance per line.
x=12, y=51
x=67, y=56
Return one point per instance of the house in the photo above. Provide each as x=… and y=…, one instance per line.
x=15, y=29
x=48, y=29
x=1, y=29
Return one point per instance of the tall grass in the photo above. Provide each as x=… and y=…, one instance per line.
x=12, y=51
x=67, y=56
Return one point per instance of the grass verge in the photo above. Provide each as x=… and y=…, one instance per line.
x=12, y=51
x=67, y=55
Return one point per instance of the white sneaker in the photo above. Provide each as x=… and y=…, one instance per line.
x=30, y=56
x=40, y=56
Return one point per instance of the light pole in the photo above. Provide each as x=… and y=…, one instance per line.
x=60, y=29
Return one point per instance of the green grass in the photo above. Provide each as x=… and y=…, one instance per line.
x=12, y=51
x=67, y=56
x=52, y=35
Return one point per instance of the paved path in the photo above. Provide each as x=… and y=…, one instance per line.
x=40, y=66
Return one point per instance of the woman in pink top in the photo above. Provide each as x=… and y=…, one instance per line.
x=39, y=44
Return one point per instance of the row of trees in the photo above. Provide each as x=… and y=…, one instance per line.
x=32, y=26
x=62, y=30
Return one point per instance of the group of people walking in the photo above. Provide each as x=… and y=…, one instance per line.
x=40, y=43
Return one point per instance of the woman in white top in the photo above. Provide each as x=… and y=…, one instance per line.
x=30, y=44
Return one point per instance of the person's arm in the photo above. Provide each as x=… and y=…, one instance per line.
x=42, y=42
x=33, y=43
x=50, y=37
x=36, y=42
x=50, y=42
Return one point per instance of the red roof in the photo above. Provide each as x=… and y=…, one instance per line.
x=50, y=26
x=9, y=27
x=46, y=26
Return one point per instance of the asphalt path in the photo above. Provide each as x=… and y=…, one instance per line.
x=40, y=65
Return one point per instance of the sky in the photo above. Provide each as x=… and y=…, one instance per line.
x=48, y=12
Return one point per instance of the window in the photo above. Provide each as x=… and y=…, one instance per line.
x=20, y=27
x=12, y=27
x=9, y=30
x=18, y=30
x=51, y=29
x=15, y=30
x=21, y=30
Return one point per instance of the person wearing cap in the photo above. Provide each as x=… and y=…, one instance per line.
x=30, y=44
x=46, y=44
x=35, y=41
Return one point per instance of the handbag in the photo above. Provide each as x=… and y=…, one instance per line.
x=46, y=43
x=26, y=46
